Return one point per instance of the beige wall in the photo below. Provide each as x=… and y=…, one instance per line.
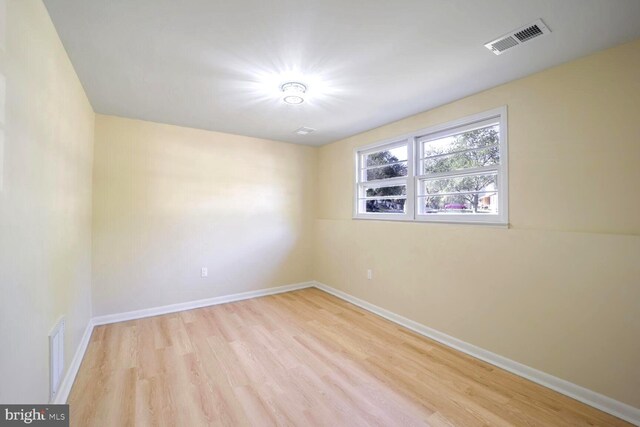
x=560, y=289
x=169, y=200
x=45, y=203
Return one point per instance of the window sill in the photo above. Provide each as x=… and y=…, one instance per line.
x=444, y=221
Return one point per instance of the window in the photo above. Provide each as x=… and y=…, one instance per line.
x=383, y=177
x=456, y=172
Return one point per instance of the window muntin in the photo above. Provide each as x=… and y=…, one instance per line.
x=385, y=199
x=383, y=175
x=386, y=205
x=390, y=190
x=460, y=174
x=464, y=184
x=387, y=156
x=476, y=157
x=460, y=166
x=388, y=162
x=470, y=194
x=457, y=204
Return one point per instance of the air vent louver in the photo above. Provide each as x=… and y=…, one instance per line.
x=504, y=44
x=528, y=33
x=517, y=37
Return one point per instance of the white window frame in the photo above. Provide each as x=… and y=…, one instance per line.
x=361, y=185
x=414, y=157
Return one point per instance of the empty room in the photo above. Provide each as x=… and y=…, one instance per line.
x=319, y=213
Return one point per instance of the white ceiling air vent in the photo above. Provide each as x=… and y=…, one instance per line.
x=517, y=37
x=304, y=130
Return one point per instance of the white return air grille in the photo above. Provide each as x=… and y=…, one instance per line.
x=56, y=357
x=517, y=37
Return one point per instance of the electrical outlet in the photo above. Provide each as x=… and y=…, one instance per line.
x=369, y=274
x=204, y=272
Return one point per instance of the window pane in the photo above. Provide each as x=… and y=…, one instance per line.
x=469, y=159
x=459, y=184
x=385, y=205
x=478, y=138
x=397, y=190
x=476, y=203
x=384, y=157
x=399, y=169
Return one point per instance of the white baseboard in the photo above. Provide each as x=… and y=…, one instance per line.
x=65, y=387
x=67, y=382
x=584, y=395
x=173, y=308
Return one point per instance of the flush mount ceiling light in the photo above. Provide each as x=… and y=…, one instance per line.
x=293, y=92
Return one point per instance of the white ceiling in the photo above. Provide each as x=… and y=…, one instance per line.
x=217, y=65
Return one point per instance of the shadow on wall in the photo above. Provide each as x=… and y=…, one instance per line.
x=169, y=201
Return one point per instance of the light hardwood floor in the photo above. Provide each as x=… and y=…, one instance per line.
x=300, y=358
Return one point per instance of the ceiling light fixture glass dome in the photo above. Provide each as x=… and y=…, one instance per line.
x=293, y=92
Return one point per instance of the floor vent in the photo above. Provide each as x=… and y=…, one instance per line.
x=517, y=37
x=56, y=358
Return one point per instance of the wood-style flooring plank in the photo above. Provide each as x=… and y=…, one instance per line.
x=302, y=358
